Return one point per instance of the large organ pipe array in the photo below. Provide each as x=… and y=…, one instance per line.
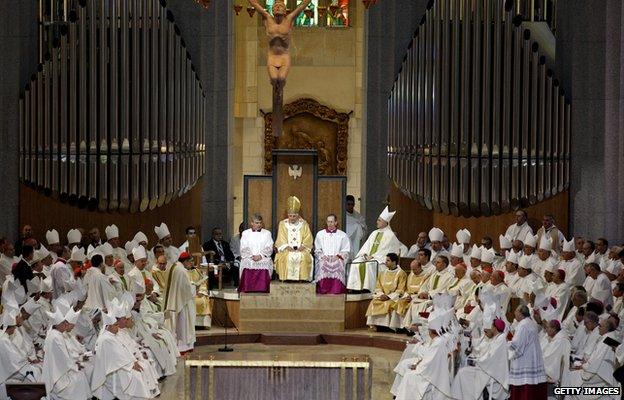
x=113, y=118
x=478, y=125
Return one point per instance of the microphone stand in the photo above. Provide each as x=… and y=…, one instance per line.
x=225, y=348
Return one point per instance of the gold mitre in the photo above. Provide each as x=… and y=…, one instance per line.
x=293, y=205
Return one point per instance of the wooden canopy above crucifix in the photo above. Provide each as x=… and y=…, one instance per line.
x=310, y=125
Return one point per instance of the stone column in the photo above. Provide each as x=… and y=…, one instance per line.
x=590, y=40
x=390, y=25
x=209, y=38
x=19, y=47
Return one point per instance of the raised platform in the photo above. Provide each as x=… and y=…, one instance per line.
x=352, y=337
x=290, y=307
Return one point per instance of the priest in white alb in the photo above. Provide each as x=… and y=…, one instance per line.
x=293, y=261
x=332, y=249
x=256, y=268
x=356, y=226
x=372, y=255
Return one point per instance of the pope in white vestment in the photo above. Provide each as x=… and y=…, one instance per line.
x=293, y=261
x=372, y=255
x=332, y=249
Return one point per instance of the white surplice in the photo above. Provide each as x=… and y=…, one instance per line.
x=327, y=247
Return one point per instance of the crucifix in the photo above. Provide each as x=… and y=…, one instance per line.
x=278, y=29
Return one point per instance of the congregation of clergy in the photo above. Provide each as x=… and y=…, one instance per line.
x=90, y=318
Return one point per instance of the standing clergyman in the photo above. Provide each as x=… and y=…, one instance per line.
x=332, y=251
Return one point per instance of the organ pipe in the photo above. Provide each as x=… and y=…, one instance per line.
x=113, y=118
x=477, y=123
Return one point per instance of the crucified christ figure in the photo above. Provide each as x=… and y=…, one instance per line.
x=278, y=29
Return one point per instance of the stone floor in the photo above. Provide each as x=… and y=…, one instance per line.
x=384, y=362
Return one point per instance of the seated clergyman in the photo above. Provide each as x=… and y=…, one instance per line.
x=390, y=287
x=293, y=260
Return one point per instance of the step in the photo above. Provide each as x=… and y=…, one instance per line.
x=311, y=326
x=289, y=314
x=292, y=302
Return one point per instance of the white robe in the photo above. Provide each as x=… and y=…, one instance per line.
x=596, y=372
x=431, y=378
x=6, y=266
x=180, y=307
x=62, y=378
x=601, y=289
x=62, y=278
x=575, y=274
x=160, y=342
x=389, y=243
x=518, y=232
x=113, y=373
x=356, y=230
x=327, y=246
x=556, y=352
x=527, y=362
x=254, y=244
x=490, y=371
x=99, y=290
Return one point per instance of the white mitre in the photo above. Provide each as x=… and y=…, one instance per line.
x=52, y=237
x=436, y=235
x=463, y=236
x=386, y=215
x=112, y=232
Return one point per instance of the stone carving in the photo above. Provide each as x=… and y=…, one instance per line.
x=310, y=125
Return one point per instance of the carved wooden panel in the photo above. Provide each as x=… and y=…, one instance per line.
x=331, y=194
x=259, y=194
x=310, y=125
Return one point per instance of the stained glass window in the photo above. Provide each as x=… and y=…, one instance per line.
x=333, y=13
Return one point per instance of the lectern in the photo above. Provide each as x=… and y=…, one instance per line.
x=294, y=173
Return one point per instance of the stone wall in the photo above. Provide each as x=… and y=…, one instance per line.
x=327, y=65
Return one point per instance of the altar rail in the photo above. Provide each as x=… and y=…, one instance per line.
x=258, y=376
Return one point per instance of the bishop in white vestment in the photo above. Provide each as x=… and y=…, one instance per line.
x=372, y=255
x=64, y=375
